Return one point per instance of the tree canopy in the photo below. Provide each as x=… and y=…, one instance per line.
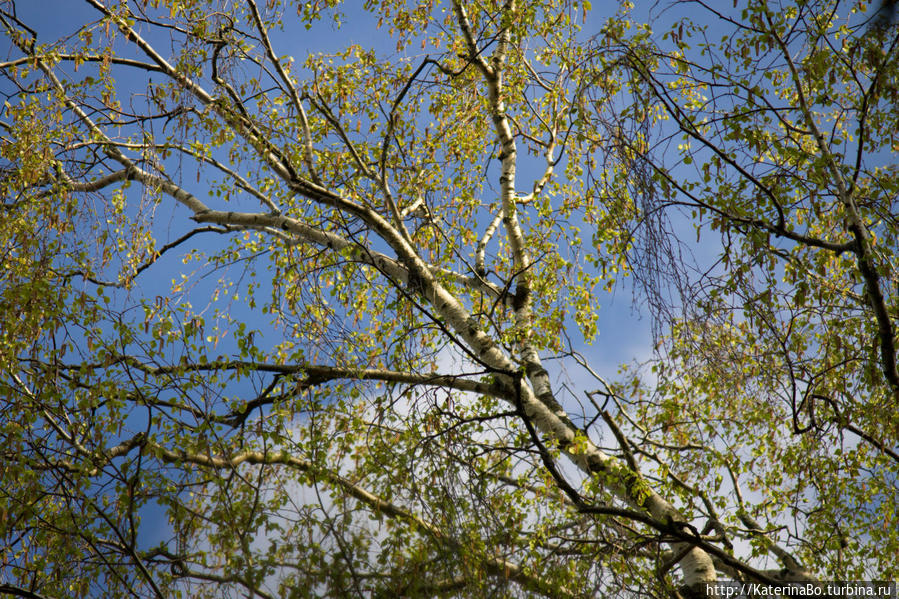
x=302, y=299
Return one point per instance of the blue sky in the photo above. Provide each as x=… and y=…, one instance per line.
x=624, y=332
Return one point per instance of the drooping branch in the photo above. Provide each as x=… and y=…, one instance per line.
x=19, y=592
x=157, y=254
x=78, y=58
x=317, y=374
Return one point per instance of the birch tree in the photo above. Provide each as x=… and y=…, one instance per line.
x=299, y=298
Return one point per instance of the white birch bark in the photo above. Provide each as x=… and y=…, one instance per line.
x=535, y=396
